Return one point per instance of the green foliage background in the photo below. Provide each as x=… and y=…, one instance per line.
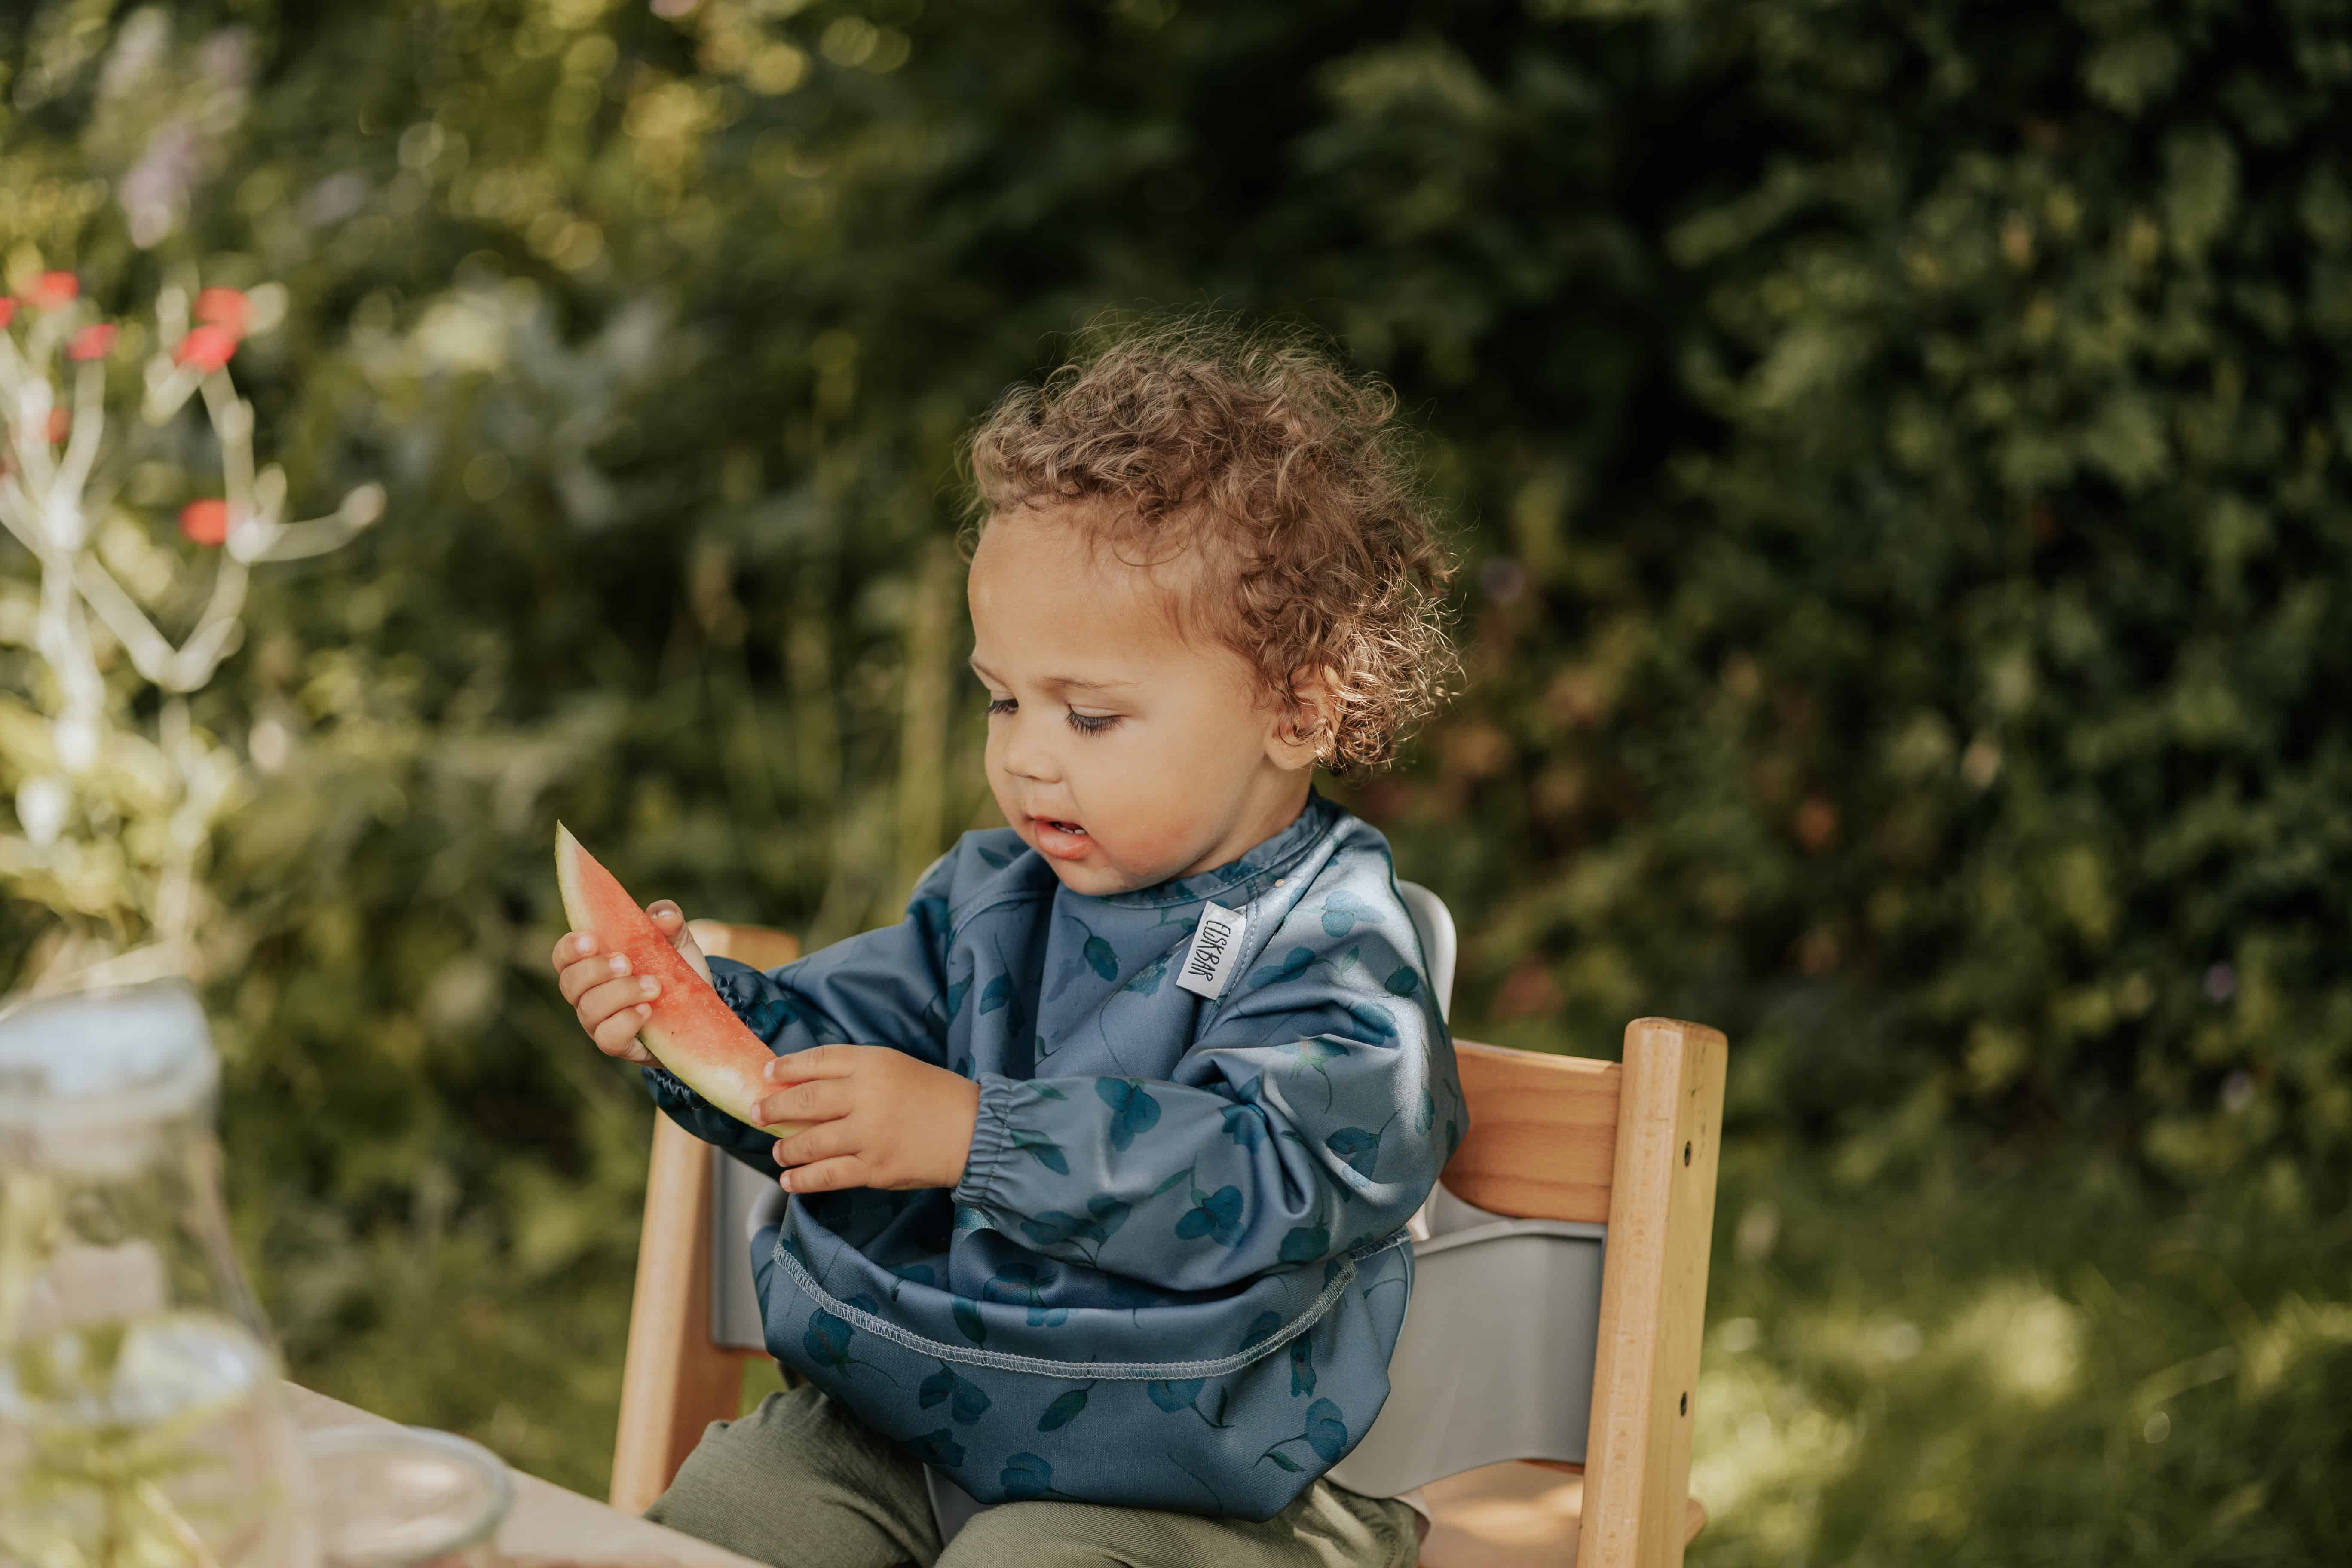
x=1899, y=453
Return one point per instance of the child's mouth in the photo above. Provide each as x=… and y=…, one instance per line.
x=1062, y=840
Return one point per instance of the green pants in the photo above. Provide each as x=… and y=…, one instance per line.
x=802, y=1483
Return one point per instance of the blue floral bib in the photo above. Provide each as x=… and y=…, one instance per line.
x=1175, y=1267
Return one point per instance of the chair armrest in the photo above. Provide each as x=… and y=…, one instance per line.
x=762, y=947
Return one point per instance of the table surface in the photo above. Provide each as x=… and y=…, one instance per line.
x=1503, y=1516
x=549, y=1525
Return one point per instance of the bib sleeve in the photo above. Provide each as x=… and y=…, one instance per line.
x=1316, y=1111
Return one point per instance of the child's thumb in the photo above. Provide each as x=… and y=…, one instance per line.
x=690, y=949
x=671, y=920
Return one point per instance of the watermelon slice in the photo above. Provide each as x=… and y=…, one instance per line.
x=690, y=1031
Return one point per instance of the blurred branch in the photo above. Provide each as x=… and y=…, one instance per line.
x=44, y=504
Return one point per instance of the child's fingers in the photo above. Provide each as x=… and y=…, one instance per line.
x=617, y=1035
x=819, y=1100
x=574, y=979
x=817, y=1061
x=827, y=1175
x=601, y=1002
x=571, y=947
x=826, y=1141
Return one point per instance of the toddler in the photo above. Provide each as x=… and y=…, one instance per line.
x=1098, y=1215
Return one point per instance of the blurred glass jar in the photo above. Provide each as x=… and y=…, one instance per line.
x=406, y=1497
x=142, y=1423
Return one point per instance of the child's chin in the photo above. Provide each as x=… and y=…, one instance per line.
x=1092, y=879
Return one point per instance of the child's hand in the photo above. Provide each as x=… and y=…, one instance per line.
x=882, y=1119
x=613, y=1003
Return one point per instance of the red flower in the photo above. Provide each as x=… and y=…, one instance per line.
x=7, y=309
x=53, y=290
x=93, y=342
x=206, y=349
x=60, y=424
x=204, y=521
x=223, y=307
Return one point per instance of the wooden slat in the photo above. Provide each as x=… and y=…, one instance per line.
x=1543, y=1133
x=1653, y=1297
x=762, y=947
x=675, y=1382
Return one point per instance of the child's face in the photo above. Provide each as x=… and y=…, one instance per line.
x=1121, y=749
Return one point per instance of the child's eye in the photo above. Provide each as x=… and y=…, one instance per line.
x=1091, y=723
x=1001, y=705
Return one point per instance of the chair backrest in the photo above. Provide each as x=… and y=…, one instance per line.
x=1630, y=1146
x=1568, y=1253
x=1434, y=923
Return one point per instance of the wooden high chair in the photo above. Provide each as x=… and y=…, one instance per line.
x=1568, y=1144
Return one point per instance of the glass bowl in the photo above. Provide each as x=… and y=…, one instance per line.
x=406, y=1497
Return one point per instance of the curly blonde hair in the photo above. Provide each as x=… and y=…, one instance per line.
x=1290, y=474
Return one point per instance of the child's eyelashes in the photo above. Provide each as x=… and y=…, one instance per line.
x=1084, y=723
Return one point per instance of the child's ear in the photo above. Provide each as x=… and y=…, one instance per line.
x=1300, y=735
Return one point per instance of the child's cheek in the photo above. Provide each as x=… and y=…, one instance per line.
x=1151, y=826
x=1148, y=854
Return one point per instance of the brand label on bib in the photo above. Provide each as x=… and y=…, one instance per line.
x=1216, y=943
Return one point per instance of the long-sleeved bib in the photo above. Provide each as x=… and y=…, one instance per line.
x=1175, y=1267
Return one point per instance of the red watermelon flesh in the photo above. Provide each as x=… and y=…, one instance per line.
x=690, y=1031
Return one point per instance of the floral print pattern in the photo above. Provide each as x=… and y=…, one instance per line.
x=1161, y=1280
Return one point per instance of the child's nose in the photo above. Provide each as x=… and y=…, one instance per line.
x=1026, y=758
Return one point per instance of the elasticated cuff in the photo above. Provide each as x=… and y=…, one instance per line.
x=991, y=1142
x=668, y=1088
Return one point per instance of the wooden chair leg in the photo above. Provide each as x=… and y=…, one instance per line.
x=675, y=1382
x=1636, y=1510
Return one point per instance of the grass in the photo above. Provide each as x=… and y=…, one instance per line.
x=1935, y=1359
x=2001, y=1362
